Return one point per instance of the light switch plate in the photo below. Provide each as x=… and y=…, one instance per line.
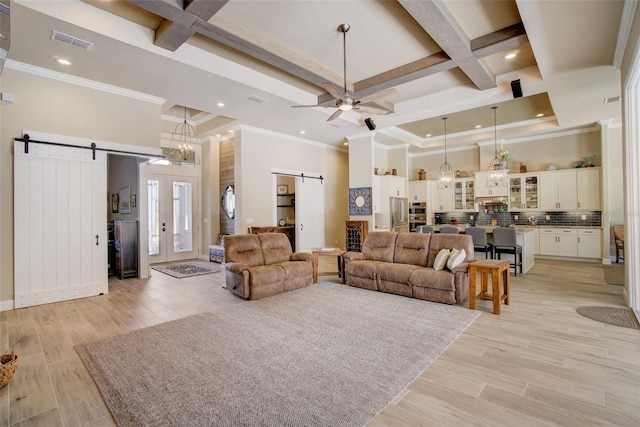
x=584, y=217
x=547, y=217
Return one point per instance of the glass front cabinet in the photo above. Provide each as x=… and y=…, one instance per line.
x=523, y=192
x=464, y=194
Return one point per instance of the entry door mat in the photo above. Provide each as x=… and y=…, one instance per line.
x=323, y=355
x=187, y=269
x=614, y=274
x=618, y=316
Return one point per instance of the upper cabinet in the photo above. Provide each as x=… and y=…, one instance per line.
x=483, y=191
x=588, y=181
x=385, y=186
x=570, y=189
x=418, y=191
x=441, y=200
x=464, y=195
x=523, y=191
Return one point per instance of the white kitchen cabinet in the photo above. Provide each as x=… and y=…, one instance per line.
x=418, y=191
x=588, y=189
x=523, y=192
x=558, y=190
x=559, y=242
x=385, y=186
x=441, y=200
x=589, y=243
x=483, y=191
x=464, y=195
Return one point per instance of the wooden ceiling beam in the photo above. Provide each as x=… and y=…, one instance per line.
x=439, y=23
x=177, y=26
x=499, y=41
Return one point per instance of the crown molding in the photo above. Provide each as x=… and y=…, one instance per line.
x=288, y=137
x=79, y=81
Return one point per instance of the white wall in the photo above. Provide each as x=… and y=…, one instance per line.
x=259, y=152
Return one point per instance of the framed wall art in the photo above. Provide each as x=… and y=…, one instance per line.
x=125, y=200
x=360, y=201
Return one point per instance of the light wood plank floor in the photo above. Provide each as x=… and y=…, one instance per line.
x=537, y=364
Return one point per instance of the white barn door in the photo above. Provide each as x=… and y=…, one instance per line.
x=309, y=214
x=60, y=223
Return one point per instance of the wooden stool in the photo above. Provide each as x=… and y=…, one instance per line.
x=496, y=268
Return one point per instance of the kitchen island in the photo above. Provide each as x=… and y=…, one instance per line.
x=525, y=237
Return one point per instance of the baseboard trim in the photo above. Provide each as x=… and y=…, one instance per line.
x=6, y=305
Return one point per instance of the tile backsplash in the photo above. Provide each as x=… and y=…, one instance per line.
x=568, y=219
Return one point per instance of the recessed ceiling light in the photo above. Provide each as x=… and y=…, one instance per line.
x=510, y=55
x=63, y=61
x=218, y=135
x=220, y=104
x=230, y=130
x=540, y=115
x=478, y=126
x=345, y=143
x=428, y=135
x=302, y=132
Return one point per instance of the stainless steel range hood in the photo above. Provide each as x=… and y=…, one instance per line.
x=492, y=201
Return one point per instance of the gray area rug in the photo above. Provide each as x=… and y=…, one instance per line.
x=618, y=316
x=187, y=269
x=324, y=355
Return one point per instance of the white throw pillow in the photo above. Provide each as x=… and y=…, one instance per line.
x=456, y=258
x=441, y=259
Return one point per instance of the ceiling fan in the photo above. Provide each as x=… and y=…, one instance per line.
x=344, y=101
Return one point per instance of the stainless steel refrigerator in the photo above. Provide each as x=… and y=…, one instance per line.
x=399, y=210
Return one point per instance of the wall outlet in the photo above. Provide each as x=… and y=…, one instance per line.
x=471, y=217
x=584, y=217
x=515, y=217
x=547, y=217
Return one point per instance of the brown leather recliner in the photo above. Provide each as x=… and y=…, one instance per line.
x=261, y=265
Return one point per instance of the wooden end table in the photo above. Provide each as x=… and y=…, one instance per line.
x=318, y=252
x=495, y=268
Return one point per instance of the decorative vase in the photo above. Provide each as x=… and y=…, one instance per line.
x=422, y=175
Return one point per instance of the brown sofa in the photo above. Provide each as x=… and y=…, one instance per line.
x=402, y=263
x=261, y=265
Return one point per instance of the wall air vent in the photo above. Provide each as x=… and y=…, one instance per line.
x=611, y=99
x=258, y=99
x=73, y=41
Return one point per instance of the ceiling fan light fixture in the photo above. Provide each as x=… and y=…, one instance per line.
x=445, y=176
x=497, y=176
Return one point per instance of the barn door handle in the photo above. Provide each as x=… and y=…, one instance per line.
x=97, y=239
x=301, y=227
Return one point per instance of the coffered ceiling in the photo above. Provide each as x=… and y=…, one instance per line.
x=260, y=58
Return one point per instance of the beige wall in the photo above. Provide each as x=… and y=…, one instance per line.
x=51, y=106
x=122, y=172
x=261, y=152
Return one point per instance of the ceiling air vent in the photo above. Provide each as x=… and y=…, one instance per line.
x=73, y=41
x=258, y=99
x=611, y=99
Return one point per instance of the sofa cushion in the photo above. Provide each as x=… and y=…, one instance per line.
x=450, y=241
x=430, y=278
x=266, y=275
x=379, y=245
x=456, y=258
x=275, y=247
x=441, y=259
x=412, y=248
x=364, y=268
x=243, y=248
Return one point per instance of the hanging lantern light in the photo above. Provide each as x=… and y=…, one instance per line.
x=183, y=140
x=497, y=176
x=445, y=177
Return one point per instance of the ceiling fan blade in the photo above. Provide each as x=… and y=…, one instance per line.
x=380, y=94
x=306, y=106
x=333, y=90
x=372, y=110
x=334, y=115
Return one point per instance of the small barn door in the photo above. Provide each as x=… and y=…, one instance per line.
x=309, y=214
x=60, y=223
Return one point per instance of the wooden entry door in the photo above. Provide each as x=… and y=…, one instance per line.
x=60, y=223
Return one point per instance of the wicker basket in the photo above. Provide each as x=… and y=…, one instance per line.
x=8, y=368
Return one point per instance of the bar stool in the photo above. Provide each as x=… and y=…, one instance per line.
x=447, y=229
x=425, y=229
x=480, y=244
x=504, y=242
x=618, y=235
